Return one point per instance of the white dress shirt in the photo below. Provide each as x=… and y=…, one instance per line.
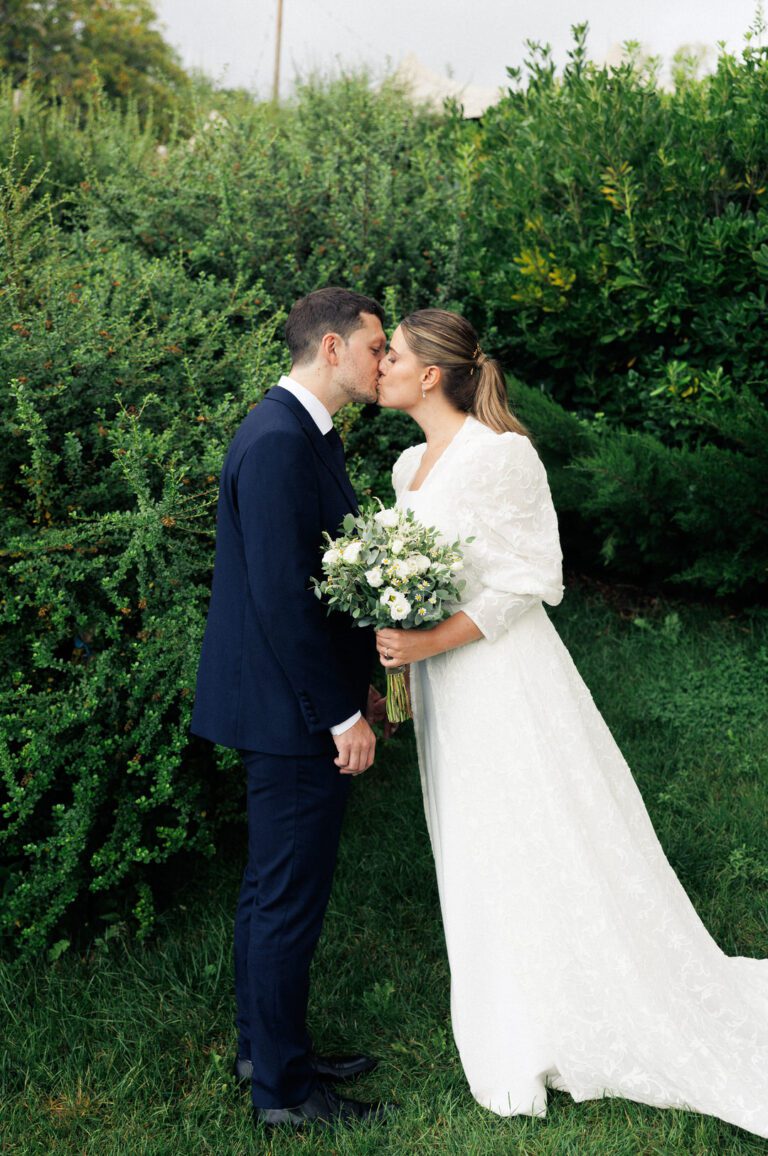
x=324, y=423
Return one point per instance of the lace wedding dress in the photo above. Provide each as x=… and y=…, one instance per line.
x=577, y=960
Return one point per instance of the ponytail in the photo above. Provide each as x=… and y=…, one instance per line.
x=490, y=404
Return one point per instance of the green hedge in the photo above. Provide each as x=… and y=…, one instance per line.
x=142, y=288
x=126, y=379
x=141, y=293
x=621, y=237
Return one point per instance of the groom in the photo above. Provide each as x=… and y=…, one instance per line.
x=287, y=685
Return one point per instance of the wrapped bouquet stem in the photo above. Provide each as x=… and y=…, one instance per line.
x=398, y=699
x=387, y=569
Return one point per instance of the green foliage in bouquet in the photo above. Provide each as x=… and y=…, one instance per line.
x=390, y=570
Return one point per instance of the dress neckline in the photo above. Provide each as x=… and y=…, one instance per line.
x=456, y=437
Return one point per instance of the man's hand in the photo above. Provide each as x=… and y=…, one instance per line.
x=356, y=748
x=377, y=712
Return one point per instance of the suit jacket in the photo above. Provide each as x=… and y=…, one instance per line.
x=276, y=671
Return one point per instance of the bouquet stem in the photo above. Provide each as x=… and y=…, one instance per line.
x=398, y=702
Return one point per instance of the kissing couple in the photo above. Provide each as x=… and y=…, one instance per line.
x=577, y=961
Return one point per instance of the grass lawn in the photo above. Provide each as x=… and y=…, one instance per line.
x=128, y=1049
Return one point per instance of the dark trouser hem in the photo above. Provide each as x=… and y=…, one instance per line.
x=295, y=810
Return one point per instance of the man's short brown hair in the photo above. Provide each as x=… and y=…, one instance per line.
x=330, y=310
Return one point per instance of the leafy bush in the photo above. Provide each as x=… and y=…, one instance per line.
x=136, y=328
x=608, y=239
x=105, y=564
x=346, y=188
x=620, y=236
x=692, y=515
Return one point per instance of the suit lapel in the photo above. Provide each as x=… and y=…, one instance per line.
x=319, y=444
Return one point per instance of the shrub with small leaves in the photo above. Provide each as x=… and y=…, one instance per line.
x=127, y=378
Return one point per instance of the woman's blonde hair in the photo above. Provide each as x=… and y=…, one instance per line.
x=471, y=381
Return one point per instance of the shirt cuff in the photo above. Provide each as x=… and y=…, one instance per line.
x=344, y=726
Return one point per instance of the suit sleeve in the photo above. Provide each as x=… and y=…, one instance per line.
x=279, y=504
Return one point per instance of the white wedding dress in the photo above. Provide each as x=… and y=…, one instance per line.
x=577, y=960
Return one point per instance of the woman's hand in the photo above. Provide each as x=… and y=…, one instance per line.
x=402, y=647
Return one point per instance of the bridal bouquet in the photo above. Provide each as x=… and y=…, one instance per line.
x=387, y=569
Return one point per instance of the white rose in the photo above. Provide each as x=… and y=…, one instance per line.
x=332, y=557
x=374, y=577
x=387, y=518
x=398, y=545
x=352, y=552
x=399, y=608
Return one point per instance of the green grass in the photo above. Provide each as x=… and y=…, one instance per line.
x=127, y=1051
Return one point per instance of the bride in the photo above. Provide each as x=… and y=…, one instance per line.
x=577, y=960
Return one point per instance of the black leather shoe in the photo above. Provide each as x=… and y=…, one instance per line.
x=341, y=1069
x=335, y=1069
x=323, y=1107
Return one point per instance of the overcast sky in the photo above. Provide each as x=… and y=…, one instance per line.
x=471, y=40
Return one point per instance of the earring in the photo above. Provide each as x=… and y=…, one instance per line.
x=423, y=392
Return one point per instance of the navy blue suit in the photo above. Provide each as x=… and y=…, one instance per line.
x=276, y=672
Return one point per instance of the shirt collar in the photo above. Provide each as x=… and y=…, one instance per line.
x=312, y=404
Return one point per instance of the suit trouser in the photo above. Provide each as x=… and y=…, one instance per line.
x=295, y=810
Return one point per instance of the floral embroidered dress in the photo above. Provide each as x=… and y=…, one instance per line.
x=577, y=960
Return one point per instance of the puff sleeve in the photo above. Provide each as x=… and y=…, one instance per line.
x=516, y=558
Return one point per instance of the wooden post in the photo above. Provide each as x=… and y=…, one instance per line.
x=278, y=46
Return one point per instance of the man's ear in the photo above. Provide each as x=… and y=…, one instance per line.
x=330, y=347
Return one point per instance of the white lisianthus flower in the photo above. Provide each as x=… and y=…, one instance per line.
x=352, y=552
x=332, y=557
x=418, y=563
x=387, y=518
x=400, y=569
x=399, y=608
x=398, y=545
x=456, y=566
x=374, y=577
